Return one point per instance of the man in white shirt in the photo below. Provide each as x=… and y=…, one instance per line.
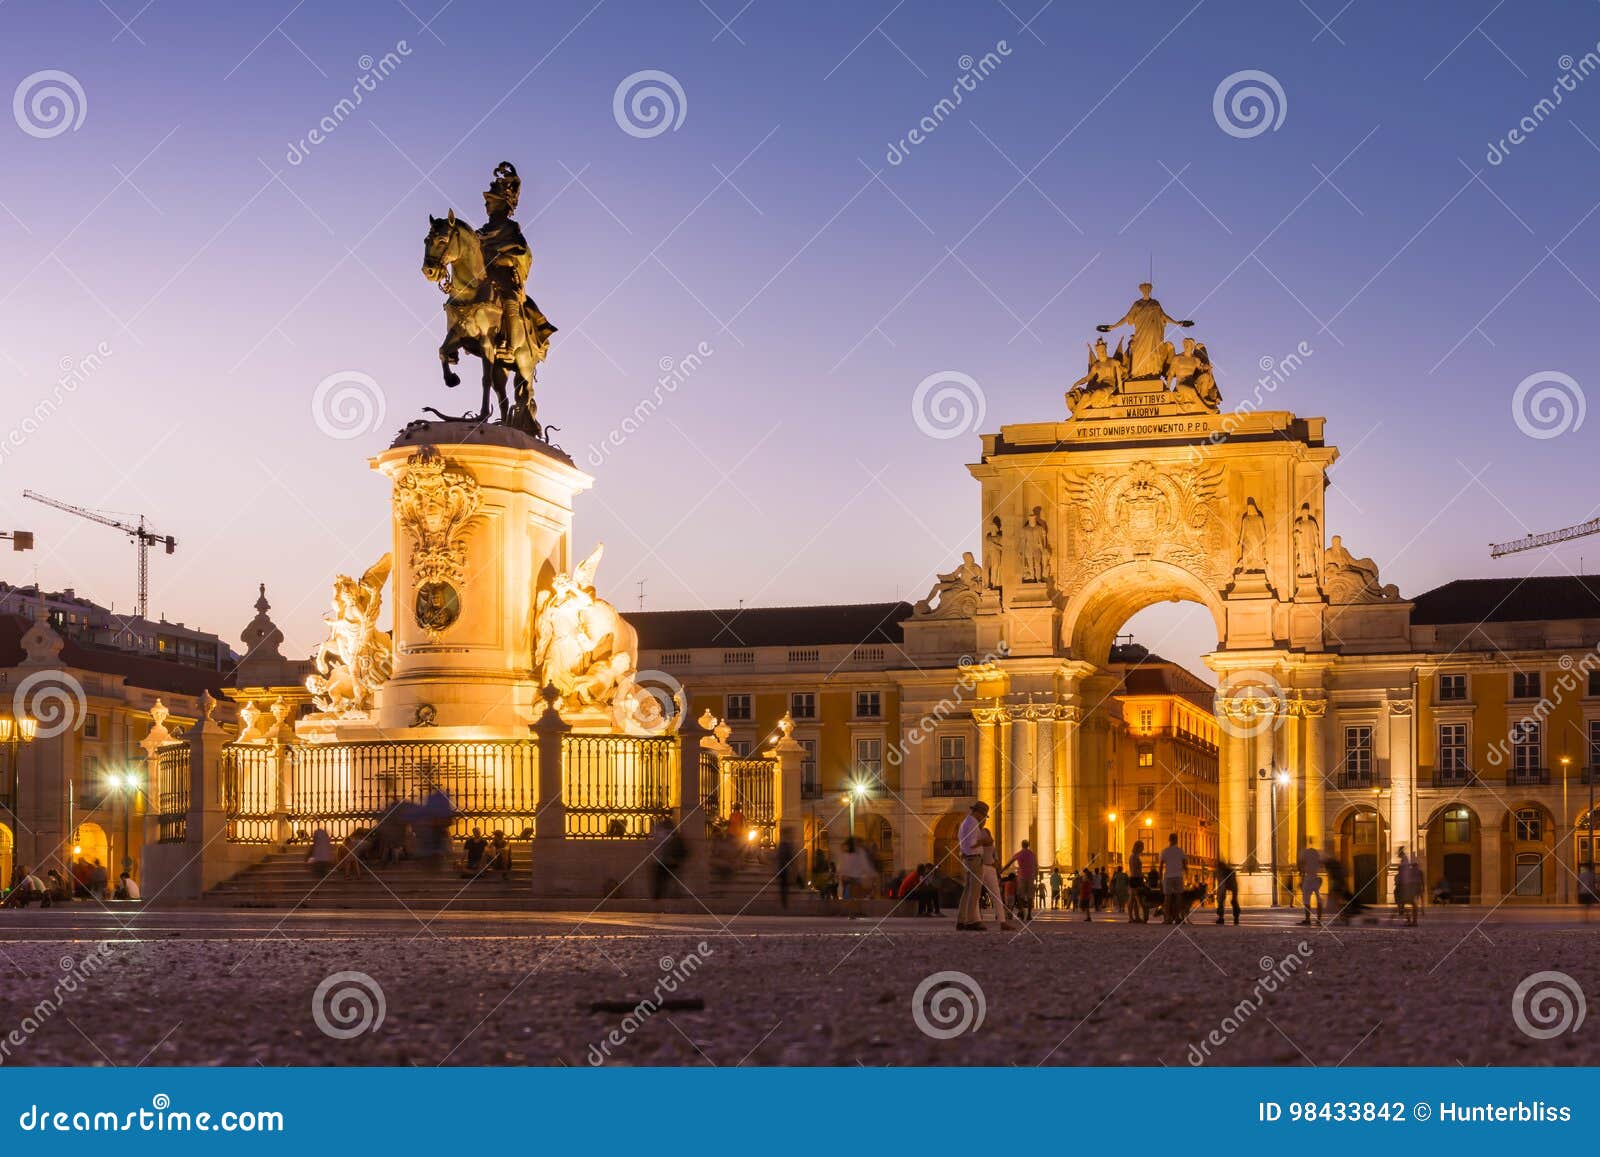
x=1172, y=878
x=1311, y=881
x=967, y=919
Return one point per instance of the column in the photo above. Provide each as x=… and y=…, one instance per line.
x=1402, y=776
x=1233, y=796
x=1314, y=712
x=1020, y=825
x=1044, y=772
x=1005, y=802
x=1069, y=845
x=988, y=786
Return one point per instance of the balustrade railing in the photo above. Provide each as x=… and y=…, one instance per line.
x=616, y=786
x=172, y=792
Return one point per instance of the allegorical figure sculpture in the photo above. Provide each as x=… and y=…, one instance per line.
x=1252, y=540
x=1348, y=579
x=1105, y=374
x=1191, y=367
x=1149, y=322
x=954, y=595
x=588, y=652
x=1035, y=551
x=1307, y=545
x=356, y=658
x=994, y=553
x=484, y=273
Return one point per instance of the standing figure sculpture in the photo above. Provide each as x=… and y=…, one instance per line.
x=1252, y=540
x=484, y=274
x=1149, y=322
x=994, y=553
x=1035, y=552
x=1307, y=546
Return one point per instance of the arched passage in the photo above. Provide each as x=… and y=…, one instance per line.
x=1092, y=617
x=91, y=846
x=1361, y=843
x=1455, y=857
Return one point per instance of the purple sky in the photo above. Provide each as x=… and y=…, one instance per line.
x=170, y=229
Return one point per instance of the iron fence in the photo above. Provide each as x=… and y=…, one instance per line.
x=172, y=792
x=250, y=792
x=710, y=790
x=754, y=782
x=616, y=786
x=344, y=786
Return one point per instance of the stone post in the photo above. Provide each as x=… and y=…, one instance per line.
x=786, y=791
x=691, y=819
x=205, y=832
x=550, y=822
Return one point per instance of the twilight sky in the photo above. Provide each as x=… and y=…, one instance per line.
x=216, y=265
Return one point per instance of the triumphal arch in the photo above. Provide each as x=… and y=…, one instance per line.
x=1143, y=492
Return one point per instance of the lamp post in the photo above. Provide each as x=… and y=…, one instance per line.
x=857, y=791
x=14, y=732
x=126, y=785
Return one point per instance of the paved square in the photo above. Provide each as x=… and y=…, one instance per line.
x=554, y=989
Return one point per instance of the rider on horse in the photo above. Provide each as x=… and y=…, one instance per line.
x=505, y=252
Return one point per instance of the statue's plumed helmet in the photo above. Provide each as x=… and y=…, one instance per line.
x=506, y=187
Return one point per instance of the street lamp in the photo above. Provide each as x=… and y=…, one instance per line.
x=127, y=786
x=857, y=790
x=14, y=732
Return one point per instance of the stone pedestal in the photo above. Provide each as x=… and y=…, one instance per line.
x=482, y=520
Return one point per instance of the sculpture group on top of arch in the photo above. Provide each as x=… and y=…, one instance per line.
x=1144, y=364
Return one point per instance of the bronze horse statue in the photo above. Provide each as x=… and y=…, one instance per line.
x=453, y=257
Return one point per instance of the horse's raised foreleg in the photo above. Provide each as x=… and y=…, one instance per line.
x=449, y=354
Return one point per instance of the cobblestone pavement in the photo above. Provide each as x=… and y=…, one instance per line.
x=542, y=989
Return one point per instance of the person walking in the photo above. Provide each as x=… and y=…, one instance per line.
x=1137, y=914
x=1172, y=864
x=1027, y=868
x=1055, y=887
x=967, y=919
x=1408, y=889
x=1086, y=894
x=991, y=876
x=1311, y=881
x=1227, y=881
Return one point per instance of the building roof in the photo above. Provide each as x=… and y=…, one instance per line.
x=145, y=671
x=1509, y=600
x=1157, y=676
x=851, y=624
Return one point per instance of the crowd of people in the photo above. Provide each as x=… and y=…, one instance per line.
x=414, y=832
x=84, y=879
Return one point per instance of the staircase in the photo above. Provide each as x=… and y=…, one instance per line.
x=282, y=880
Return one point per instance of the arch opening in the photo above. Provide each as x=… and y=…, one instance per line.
x=1094, y=616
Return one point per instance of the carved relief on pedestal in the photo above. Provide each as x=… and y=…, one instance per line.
x=435, y=500
x=1117, y=516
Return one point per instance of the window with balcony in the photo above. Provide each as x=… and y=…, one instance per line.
x=1452, y=688
x=869, y=763
x=1527, y=751
x=738, y=707
x=1525, y=685
x=810, y=783
x=1357, y=767
x=869, y=704
x=1452, y=763
x=803, y=704
x=953, y=765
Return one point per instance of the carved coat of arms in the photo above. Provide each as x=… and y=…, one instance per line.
x=435, y=501
x=1116, y=516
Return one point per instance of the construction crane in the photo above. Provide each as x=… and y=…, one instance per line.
x=141, y=534
x=1548, y=538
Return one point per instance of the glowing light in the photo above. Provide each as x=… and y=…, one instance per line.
x=1283, y=777
x=1112, y=816
x=750, y=837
